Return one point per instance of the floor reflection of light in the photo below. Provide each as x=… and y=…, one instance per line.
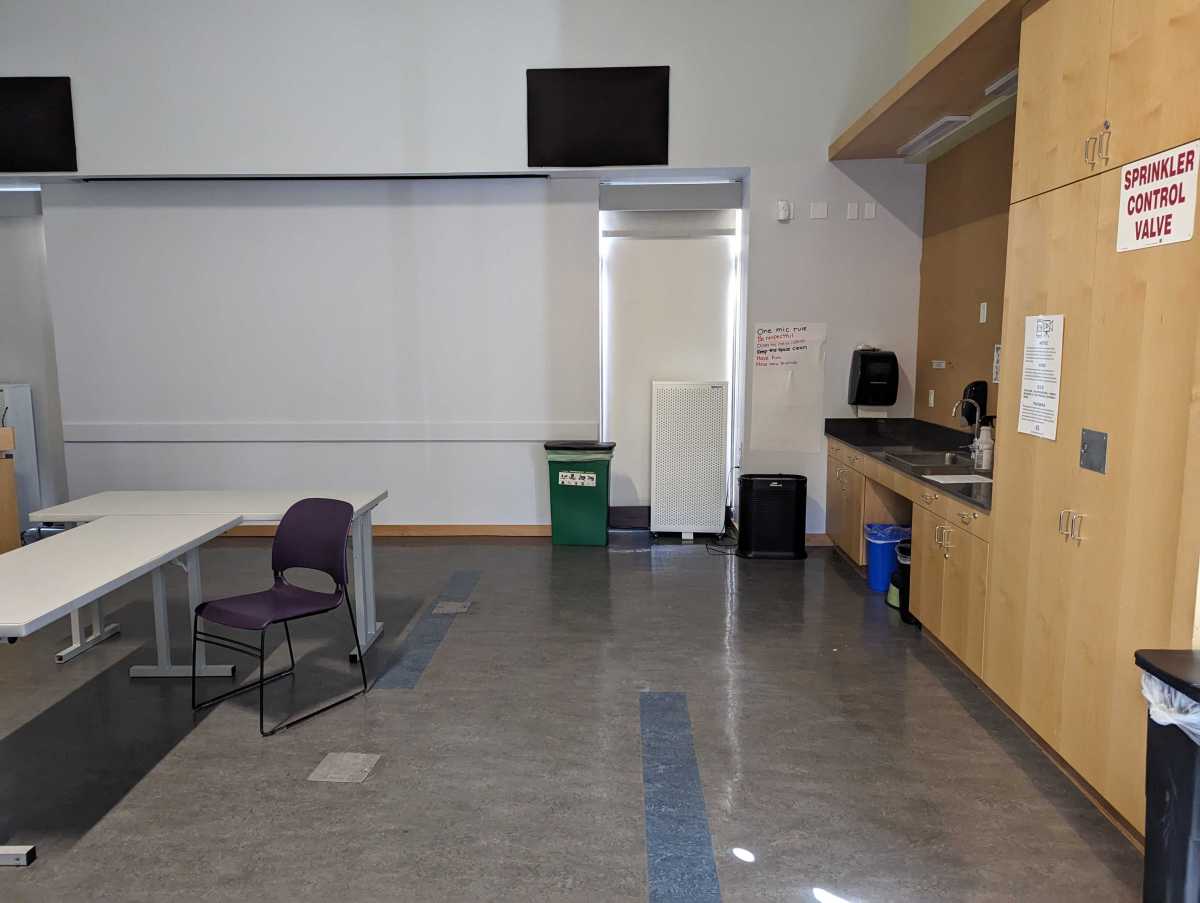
x=744, y=855
x=825, y=896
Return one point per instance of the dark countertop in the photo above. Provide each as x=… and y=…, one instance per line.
x=874, y=436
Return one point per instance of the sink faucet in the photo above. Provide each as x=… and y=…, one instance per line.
x=957, y=410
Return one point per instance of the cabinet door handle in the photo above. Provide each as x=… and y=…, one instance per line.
x=1102, y=144
x=946, y=544
x=1064, y=521
x=1076, y=532
x=937, y=534
x=964, y=517
x=929, y=498
x=1089, y=150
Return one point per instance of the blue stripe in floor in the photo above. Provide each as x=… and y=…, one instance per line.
x=418, y=648
x=679, y=855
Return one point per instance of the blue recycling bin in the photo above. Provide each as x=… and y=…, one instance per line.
x=881, y=553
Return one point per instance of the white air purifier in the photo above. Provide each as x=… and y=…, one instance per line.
x=688, y=457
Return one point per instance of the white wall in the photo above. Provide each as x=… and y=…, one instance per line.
x=313, y=86
x=26, y=333
x=422, y=336
x=301, y=86
x=668, y=310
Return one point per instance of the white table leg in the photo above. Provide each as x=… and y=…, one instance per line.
x=19, y=855
x=162, y=633
x=363, y=559
x=80, y=642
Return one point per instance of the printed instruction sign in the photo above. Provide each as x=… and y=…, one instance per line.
x=576, y=478
x=1040, y=374
x=1158, y=199
x=786, y=408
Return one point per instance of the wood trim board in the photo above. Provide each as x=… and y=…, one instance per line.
x=949, y=80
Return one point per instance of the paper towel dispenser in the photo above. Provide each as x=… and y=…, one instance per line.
x=874, y=377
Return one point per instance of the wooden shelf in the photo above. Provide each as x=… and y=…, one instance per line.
x=949, y=80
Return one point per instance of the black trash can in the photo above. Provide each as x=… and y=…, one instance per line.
x=901, y=578
x=1172, y=869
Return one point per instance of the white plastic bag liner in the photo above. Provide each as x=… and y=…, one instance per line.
x=1169, y=706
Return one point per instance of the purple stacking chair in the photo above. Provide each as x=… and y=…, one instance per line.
x=311, y=535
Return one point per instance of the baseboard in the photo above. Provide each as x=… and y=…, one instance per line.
x=629, y=517
x=1093, y=795
x=385, y=530
x=818, y=541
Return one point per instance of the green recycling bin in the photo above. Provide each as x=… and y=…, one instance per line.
x=579, y=491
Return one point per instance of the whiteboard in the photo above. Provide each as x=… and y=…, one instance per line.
x=373, y=302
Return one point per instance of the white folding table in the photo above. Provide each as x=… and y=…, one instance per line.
x=57, y=576
x=264, y=506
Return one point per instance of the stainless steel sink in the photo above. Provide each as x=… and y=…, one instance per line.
x=930, y=462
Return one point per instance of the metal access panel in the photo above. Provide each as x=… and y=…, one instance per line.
x=1093, y=451
x=688, y=456
x=16, y=410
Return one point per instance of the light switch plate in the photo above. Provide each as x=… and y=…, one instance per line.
x=869, y=210
x=852, y=210
x=818, y=210
x=1093, y=451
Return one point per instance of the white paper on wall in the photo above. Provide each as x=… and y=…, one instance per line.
x=788, y=384
x=1041, y=370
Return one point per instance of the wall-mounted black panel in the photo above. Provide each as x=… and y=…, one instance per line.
x=614, y=116
x=37, y=125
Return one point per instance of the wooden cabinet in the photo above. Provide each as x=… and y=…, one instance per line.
x=1050, y=270
x=1102, y=83
x=1153, y=71
x=948, y=586
x=964, y=595
x=844, y=505
x=1062, y=93
x=1065, y=613
x=928, y=569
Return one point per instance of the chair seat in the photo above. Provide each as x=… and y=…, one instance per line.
x=257, y=611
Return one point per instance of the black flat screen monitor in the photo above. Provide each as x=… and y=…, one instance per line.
x=598, y=117
x=37, y=125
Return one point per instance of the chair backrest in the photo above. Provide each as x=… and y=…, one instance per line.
x=313, y=535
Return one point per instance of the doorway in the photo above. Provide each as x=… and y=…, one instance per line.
x=671, y=309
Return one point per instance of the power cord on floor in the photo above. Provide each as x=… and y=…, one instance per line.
x=722, y=548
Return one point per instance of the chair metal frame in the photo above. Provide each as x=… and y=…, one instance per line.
x=259, y=652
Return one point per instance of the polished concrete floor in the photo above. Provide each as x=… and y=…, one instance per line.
x=837, y=746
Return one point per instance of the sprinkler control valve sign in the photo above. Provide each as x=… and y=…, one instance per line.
x=1158, y=199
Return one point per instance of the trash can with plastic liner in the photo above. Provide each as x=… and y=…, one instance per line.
x=881, y=553
x=1171, y=685
x=579, y=491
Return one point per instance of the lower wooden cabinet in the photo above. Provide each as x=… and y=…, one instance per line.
x=948, y=585
x=964, y=596
x=844, y=489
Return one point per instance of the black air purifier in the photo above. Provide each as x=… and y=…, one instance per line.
x=771, y=515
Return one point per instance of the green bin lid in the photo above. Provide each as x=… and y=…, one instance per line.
x=584, y=445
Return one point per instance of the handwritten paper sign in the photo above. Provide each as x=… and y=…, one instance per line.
x=1040, y=374
x=786, y=410
x=1158, y=199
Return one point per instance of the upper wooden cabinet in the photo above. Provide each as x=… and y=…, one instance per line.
x=1102, y=83
x=1061, y=93
x=1153, y=71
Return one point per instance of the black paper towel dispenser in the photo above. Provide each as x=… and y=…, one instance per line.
x=874, y=377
